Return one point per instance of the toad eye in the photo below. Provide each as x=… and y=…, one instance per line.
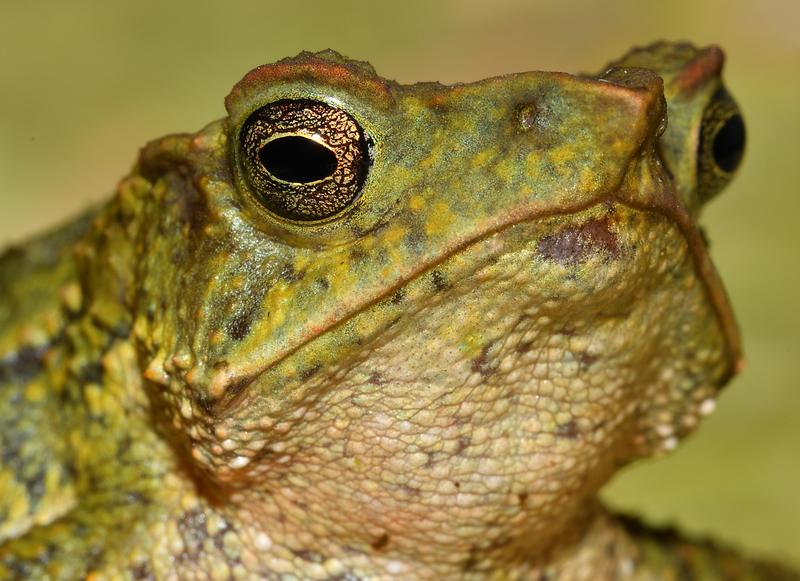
x=721, y=145
x=304, y=160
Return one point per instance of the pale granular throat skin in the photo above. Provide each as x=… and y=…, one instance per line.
x=359, y=330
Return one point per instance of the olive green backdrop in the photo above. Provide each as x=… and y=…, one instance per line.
x=84, y=84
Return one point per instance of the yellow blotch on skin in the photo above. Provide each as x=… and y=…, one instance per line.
x=619, y=146
x=481, y=158
x=392, y=239
x=367, y=244
x=562, y=155
x=587, y=180
x=301, y=262
x=339, y=276
x=439, y=219
x=416, y=203
x=472, y=344
x=96, y=399
x=279, y=297
x=35, y=392
x=394, y=234
x=10, y=488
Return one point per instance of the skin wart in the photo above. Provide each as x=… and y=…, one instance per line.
x=361, y=330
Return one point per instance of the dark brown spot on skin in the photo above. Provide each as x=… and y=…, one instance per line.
x=178, y=255
x=439, y=281
x=238, y=327
x=307, y=555
x=307, y=374
x=577, y=243
x=586, y=359
x=431, y=460
x=411, y=491
x=463, y=443
x=481, y=363
x=380, y=542
x=523, y=498
x=289, y=274
x=357, y=255
x=91, y=373
x=398, y=297
x=500, y=542
x=470, y=563
x=568, y=430
x=376, y=378
x=523, y=347
x=143, y=571
x=23, y=365
x=193, y=531
x=219, y=536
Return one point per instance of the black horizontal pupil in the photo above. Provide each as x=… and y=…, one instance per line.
x=728, y=144
x=297, y=159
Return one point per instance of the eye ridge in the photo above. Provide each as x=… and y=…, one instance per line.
x=303, y=160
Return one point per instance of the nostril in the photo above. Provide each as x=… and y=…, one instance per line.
x=526, y=115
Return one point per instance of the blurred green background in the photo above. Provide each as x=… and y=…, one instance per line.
x=86, y=83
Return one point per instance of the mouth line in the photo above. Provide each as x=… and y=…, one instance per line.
x=694, y=236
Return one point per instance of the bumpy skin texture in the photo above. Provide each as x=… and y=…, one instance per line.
x=432, y=383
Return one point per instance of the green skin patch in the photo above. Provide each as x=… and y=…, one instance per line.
x=364, y=330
